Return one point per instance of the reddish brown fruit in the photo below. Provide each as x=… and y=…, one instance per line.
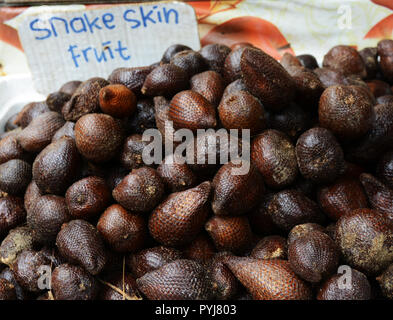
x=29, y=112
x=208, y=84
x=269, y=279
x=71, y=282
x=385, y=169
x=131, y=154
x=17, y=240
x=385, y=48
x=365, y=238
x=274, y=155
x=370, y=59
x=79, y=242
x=151, y=259
x=144, y=118
x=230, y=233
x=379, y=195
x=346, y=60
x=358, y=289
x=46, y=218
x=70, y=87
x=15, y=175
x=236, y=194
x=140, y=191
x=270, y=247
x=178, y=219
x=313, y=256
x=56, y=167
x=7, y=290
x=26, y=269
x=347, y=111
x=122, y=230
x=12, y=213
x=132, y=78
x=38, y=134
x=98, y=137
x=84, y=100
x=164, y=125
x=190, y=61
x=386, y=282
x=114, y=176
x=178, y=280
x=177, y=176
x=120, y=287
x=231, y=69
x=289, y=208
x=288, y=60
x=190, y=110
x=319, y=155
x=200, y=249
x=10, y=149
x=241, y=110
x=330, y=77
x=266, y=79
x=165, y=80
x=215, y=55
x=302, y=229
x=88, y=197
x=56, y=100
x=66, y=130
x=379, y=88
x=260, y=220
x=235, y=86
x=342, y=197
x=117, y=100
x=172, y=50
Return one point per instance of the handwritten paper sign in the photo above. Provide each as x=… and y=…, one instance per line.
x=77, y=44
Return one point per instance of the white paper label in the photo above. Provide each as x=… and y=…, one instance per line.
x=77, y=44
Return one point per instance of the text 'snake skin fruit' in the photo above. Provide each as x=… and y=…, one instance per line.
x=178, y=280
x=269, y=279
x=365, y=238
x=180, y=217
x=79, y=242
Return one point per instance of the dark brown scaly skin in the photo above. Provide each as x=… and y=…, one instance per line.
x=46, y=218
x=215, y=55
x=379, y=195
x=70, y=87
x=289, y=208
x=144, y=117
x=236, y=194
x=270, y=247
x=98, y=137
x=385, y=54
x=179, y=280
x=190, y=61
x=385, y=169
x=377, y=140
x=370, y=59
x=385, y=99
x=88, y=197
x=38, y=134
x=66, y=130
x=379, y=88
x=12, y=213
x=365, y=238
x=165, y=80
x=180, y=217
x=347, y=111
x=341, y=197
x=176, y=176
x=56, y=167
x=259, y=71
x=15, y=175
x=79, y=242
x=288, y=60
x=330, y=77
x=163, y=123
x=131, y=154
x=231, y=68
x=190, y=110
x=122, y=230
x=7, y=274
x=125, y=285
x=358, y=289
x=114, y=176
x=56, y=100
x=274, y=155
x=241, y=110
x=140, y=191
x=26, y=269
x=29, y=112
x=235, y=86
x=260, y=220
x=7, y=290
x=386, y=282
x=32, y=194
x=132, y=78
x=230, y=233
x=208, y=84
x=171, y=51
x=10, y=149
x=346, y=60
x=10, y=124
x=200, y=249
x=17, y=240
x=319, y=156
x=151, y=259
x=70, y=282
x=117, y=100
x=269, y=279
x=84, y=100
x=313, y=256
x=302, y=229
x=308, y=61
